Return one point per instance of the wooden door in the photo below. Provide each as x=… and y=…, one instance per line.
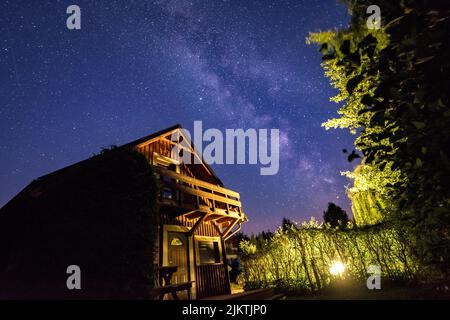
x=177, y=256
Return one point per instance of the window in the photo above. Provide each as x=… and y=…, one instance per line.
x=167, y=193
x=208, y=251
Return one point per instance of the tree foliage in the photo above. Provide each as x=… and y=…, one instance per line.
x=370, y=201
x=393, y=85
x=335, y=216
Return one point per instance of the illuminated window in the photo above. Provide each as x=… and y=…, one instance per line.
x=208, y=252
x=176, y=242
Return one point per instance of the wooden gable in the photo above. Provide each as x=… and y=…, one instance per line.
x=157, y=148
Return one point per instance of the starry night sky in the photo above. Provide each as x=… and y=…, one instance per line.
x=136, y=67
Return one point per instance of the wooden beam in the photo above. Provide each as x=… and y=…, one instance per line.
x=214, y=216
x=228, y=218
x=224, y=222
x=197, y=182
x=194, y=211
x=145, y=143
x=224, y=234
x=198, y=222
x=187, y=213
x=233, y=233
x=201, y=193
x=219, y=230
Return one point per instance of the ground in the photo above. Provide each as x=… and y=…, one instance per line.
x=236, y=288
x=387, y=292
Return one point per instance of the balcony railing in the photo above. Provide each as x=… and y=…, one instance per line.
x=199, y=196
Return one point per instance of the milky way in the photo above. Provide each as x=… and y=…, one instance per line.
x=136, y=67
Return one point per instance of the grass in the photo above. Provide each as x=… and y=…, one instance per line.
x=236, y=288
x=389, y=291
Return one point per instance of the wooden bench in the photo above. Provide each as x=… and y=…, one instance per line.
x=172, y=289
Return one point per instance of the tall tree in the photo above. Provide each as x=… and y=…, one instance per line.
x=335, y=216
x=393, y=82
x=287, y=224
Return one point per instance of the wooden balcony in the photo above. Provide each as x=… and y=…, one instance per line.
x=200, y=200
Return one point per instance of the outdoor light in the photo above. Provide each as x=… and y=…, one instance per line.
x=337, y=268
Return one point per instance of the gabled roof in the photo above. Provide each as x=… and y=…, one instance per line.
x=167, y=130
x=152, y=136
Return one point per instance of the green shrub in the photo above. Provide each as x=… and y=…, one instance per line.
x=299, y=258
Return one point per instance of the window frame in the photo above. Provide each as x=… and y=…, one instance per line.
x=199, y=239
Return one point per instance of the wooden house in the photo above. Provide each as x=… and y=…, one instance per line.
x=196, y=215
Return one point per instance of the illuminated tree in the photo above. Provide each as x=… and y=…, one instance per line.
x=393, y=83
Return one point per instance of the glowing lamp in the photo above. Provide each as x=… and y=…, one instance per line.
x=337, y=268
